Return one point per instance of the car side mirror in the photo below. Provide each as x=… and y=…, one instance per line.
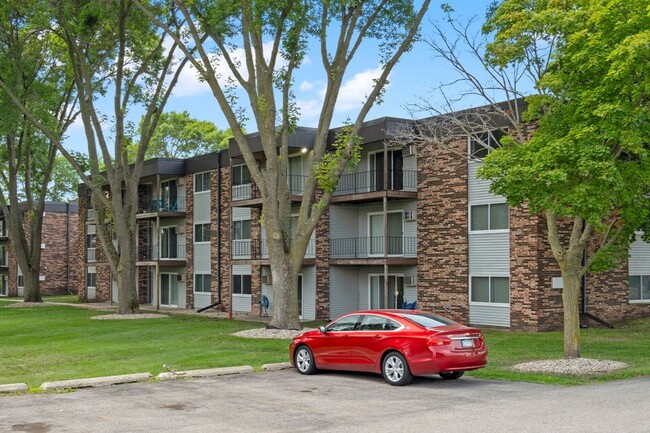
x=323, y=329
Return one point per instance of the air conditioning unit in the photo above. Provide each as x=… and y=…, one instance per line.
x=410, y=281
x=267, y=279
x=409, y=215
x=408, y=150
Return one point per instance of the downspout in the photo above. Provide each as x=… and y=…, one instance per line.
x=219, y=228
x=67, y=246
x=385, y=228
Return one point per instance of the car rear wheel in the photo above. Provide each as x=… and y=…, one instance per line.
x=451, y=375
x=395, y=369
x=304, y=360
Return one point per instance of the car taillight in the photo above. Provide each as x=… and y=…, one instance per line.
x=438, y=341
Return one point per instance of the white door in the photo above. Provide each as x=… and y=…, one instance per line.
x=376, y=297
x=169, y=290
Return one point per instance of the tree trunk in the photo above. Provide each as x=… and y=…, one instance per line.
x=571, y=303
x=127, y=281
x=284, y=309
x=32, y=286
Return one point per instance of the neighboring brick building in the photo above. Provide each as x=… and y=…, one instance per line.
x=58, y=261
x=451, y=247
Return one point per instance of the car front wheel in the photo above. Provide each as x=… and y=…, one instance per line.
x=395, y=369
x=304, y=360
x=451, y=375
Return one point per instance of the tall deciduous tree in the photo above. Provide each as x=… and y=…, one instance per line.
x=178, y=135
x=114, y=49
x=33, y=72
x=587, y=165
x=273, y=38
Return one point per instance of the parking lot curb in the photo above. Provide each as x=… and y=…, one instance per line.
x=13, y=387
x=206, y=372
x=95, y=381
x=277, y=366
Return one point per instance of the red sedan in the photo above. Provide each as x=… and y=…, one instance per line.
x=399, y=344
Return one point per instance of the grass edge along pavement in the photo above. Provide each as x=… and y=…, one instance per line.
x=63, y=343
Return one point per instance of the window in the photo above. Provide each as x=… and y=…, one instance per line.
x=481, y=144
x=202, y=182
x=3, y=285
x=21, y=281
x=241, y=284
x=91, y=279
x=202, y=283
x=2, y=227
x=347, y=323
x=240, y=175
x=3, y=255
x=639, y=287
x=377, y=323
x=91, y=240
x=241, y=229
x=202, y=232
x=489, y=217
x=494, y=290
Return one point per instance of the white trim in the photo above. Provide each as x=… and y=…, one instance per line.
x=194, y=241
x=490, y=276
x=488, y=203
x=369, y=286
x=368, y=215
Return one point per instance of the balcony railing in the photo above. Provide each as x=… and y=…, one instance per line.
x=162, y=204
x=161, y=252
x=356, y=248
x=247, y=191
x=258, y=249
x=371, y=181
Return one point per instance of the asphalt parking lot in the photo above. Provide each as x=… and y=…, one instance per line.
x=284, y=401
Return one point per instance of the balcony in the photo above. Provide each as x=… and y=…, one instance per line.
x=250, y=192
x=370, y=184
x=161, y=205
x=255, y=249
x=373, y=247
x=162, y=253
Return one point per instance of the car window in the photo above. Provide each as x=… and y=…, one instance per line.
x=347, y=323
x=427, y=320
x=377, y=323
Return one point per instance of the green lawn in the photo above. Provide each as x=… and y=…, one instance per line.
x=628, y=342
x=59, y=342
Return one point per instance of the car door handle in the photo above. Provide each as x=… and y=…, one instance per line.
x=377, y=336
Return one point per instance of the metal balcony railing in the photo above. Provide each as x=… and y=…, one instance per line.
x=162, y=204
x=161, y=252
x=258, y=249
x=247, y=191
x=355, y=248
x=371, y=181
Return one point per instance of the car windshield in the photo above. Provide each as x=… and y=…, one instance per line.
x=427, y=320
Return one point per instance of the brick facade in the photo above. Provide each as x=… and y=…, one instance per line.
x=442, y=233
x=443, y=238
x=59, y=260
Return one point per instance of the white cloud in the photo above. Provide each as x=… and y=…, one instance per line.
x=355, y=91
x=191, y=84
x=309, y=85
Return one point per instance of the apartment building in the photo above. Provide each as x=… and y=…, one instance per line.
x=409, y=226
x=57, y=276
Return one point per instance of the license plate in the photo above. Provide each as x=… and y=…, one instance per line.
x=467, y=343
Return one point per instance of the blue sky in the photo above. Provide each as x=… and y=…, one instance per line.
x=416, y=75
